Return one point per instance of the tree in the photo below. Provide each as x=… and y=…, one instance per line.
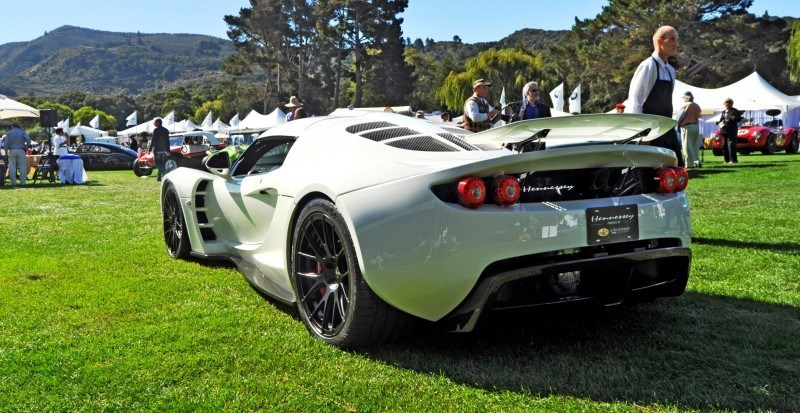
x=793, y=52
x=602, y=53
x=505, y=68
x=456, y=39
x=85, y=114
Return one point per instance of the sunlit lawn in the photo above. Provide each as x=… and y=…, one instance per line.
x=94, y=316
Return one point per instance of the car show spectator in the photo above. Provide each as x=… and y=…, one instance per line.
x=134, y=144
x=420, y=114
x=620, y=108
x=59, y=143
x=532, y=107
x=652, y=85
x=446, y=117
x=300, y=113
x=160, y=147
x=688, y=121
x=293, y=104
x=729, y=129
x=479, y=115
x=16, y=143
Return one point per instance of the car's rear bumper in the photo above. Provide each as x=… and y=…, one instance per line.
x=607, y=280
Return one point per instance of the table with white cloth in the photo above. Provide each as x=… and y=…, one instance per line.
x=70, y=169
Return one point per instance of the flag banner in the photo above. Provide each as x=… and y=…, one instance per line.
x=208, y=121
x=575, y=100
x=169, y=119
x=557, y=95
x=95, y=122
x=131, y=120
x=234, y=120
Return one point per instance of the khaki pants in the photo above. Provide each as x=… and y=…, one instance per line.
x=690, y=137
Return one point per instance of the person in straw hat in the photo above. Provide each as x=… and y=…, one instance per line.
x=292, y=105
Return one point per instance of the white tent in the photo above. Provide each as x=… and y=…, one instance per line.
x=184, y=126
x=255, y=120
x=403, y=110
x=753, y=94
x=10, y=108
x=135, y=130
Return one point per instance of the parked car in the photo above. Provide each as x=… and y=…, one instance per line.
x=371, y=221
x=186, y=150
x=768, y=138
x=99, y=156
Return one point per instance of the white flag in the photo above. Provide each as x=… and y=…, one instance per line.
x=234, y=120
x=557, y=95
x=169, y=119
x=575, y=100
x=95, y=122
x=131, y=120
x=64, y=124
x=502, y=105
x=208, y=122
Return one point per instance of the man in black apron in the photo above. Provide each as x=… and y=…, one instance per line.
x=652, y=85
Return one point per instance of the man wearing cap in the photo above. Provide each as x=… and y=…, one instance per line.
x=688, y=119
x=15, y=144
x=620, y=108
x=292, y=105
x=479, y=115
x=160, y=147
x=652, y=85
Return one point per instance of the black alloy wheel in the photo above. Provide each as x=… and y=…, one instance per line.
x=175, y=236
x=794, y=145
x=140, y=170
x=335, y=303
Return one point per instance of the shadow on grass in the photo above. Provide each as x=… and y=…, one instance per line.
x=31, y=185
x=790, y=247
x=695, y=351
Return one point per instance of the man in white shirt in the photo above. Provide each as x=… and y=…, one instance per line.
x=652, y=85
x=479, y=115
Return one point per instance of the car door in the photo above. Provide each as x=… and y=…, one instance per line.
x=246, y=203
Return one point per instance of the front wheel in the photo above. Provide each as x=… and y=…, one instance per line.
x=171, y=163
x=140, y=170
x=176, y=237
x=334, y=301
x=770, y=146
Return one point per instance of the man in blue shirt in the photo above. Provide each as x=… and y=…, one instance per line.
x=15, y=144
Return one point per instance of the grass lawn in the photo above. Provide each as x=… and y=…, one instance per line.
x=94, y=316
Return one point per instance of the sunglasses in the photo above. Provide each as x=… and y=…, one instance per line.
x=533, y=90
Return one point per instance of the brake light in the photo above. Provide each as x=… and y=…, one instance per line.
x=667, y=180
x=683, y=178
x=471, y=192
x=506, y=190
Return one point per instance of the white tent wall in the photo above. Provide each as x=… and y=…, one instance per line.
x=753, y=94
x=255, y=120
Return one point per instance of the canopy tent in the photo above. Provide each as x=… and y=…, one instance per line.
x=87, y=131
x=255, y=120
x=10, y=108
x=184, y=126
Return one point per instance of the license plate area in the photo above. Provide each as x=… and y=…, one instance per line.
x=612, y=224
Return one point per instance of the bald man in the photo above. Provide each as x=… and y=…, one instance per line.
x=652, y=85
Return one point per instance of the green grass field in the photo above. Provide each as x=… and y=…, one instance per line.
x=94, y=316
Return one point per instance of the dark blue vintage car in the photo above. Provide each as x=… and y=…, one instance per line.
x=99, y=156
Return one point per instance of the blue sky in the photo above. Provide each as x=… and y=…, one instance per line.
x=440, y=20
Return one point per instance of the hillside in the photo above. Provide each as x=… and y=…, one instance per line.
x=99, y=62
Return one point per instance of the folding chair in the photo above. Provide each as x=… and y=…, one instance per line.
x=46, y=169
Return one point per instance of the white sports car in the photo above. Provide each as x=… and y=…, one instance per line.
x=373, y=220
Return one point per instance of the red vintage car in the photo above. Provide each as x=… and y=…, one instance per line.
x=185, y=149
x=768, y=138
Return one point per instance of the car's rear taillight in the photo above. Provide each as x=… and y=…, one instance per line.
x=471, y=192
x=667, y=180
x=506, y=190
x=683, y=178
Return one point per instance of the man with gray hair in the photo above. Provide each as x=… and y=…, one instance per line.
x=652, y=85
x=532, y=107
x=15, y=144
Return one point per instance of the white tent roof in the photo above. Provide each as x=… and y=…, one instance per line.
x=255, y=120
x=87, y=131
x=10, y=108
x=750, y=93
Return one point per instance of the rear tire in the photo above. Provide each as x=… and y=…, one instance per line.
x=333, y=299
x=176, y=237
x=794, y=145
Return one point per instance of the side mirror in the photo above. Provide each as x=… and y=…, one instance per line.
x=218, y=163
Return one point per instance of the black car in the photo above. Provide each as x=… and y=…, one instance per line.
x=99, y=156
